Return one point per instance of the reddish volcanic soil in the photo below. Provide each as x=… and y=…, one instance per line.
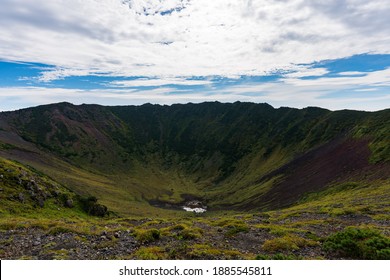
x=340, y=160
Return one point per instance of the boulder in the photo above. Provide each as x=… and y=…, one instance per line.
x=69, y=203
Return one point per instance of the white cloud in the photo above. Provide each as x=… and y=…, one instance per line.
x=302, y=71
x=159, y=82
x=366, y=89
x=192, y=38
x=170, y=41
x=275, y=93
x=352, y=73
x=376, y=78
x=162, y=7
x=58, y=74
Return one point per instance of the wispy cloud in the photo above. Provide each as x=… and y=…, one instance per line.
x=352, y=73
x=145, y=82
x=222, y=37
x=275, y=93
x=302, y=71
x=376, y=78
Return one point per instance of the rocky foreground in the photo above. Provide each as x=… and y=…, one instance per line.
x=263, y=236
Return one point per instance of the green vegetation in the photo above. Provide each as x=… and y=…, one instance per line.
x=189, y=233
x=359, y=243
x=90, y=206
x=278, y=256
x=231, y=226
x=109, y=182
x=24, y=191
x=146, y=236
x=151, y=253
x=376, y=126
x=205, y=251
x=287, y=243
x=130, y=156
x=6, y=146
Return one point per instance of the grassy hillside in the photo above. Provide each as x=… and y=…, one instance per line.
x=237, y=156
x=353, y=213
x=278, y=183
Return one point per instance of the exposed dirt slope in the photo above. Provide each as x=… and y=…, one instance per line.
x=340, y=160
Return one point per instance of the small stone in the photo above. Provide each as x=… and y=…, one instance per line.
x=41, y=202
x=69, y=203
x=21, y=197
x=117, y=234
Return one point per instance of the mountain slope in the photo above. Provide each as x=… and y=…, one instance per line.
x=231, y=156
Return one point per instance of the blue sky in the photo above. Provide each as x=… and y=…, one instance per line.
x=118, y=52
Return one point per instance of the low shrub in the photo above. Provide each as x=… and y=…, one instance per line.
x=90, y=205
x=278, y=256
x=287, y=243
x=148, y=235
x=189, y=233
x=209, y=252
x=183, y=232
x=151, y=253
x=358, y=243
x=234, y=229
x=232, y=226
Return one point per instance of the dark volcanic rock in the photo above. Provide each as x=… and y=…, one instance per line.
x=69, y=203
